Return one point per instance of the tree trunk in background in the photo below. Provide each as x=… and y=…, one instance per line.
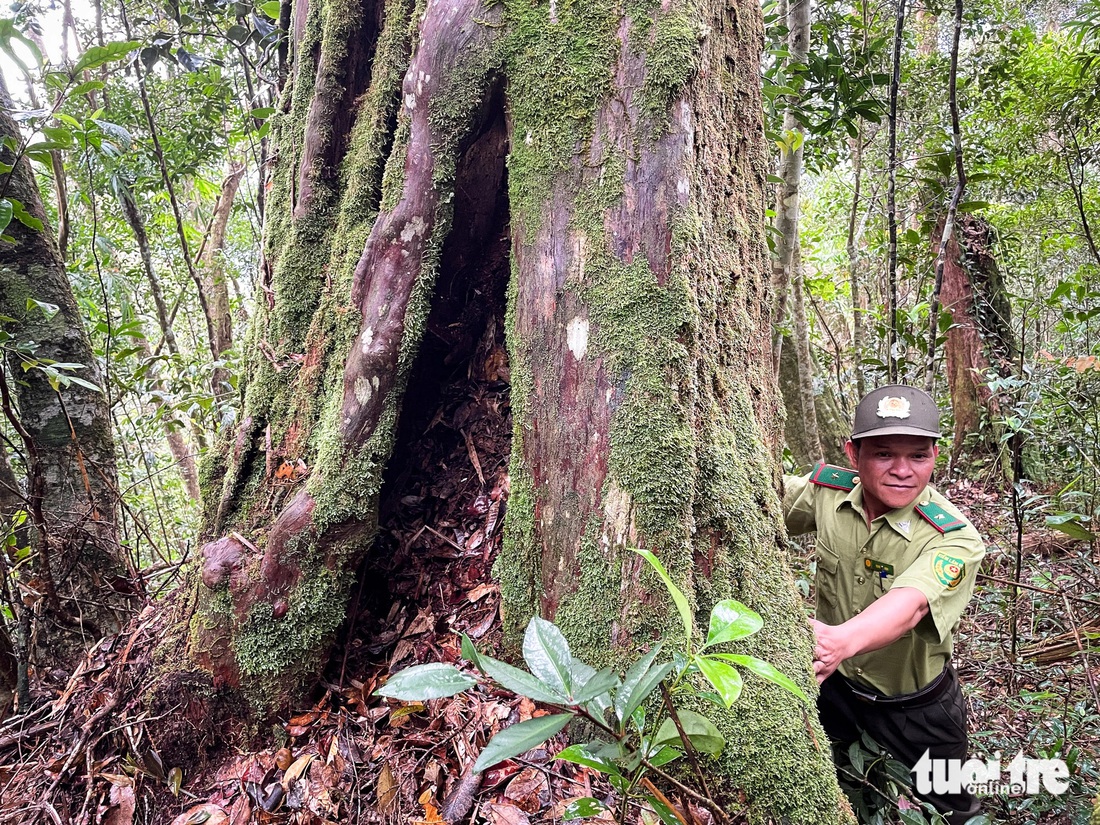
x=833, y=424
x=979, y=341
x=11, y=503
x=182, y=452
x=801, y=333
x=74, y=487
x=855, y=264
x=215, y=282
x=137, y=226
x=643, y=392
x=790, y=171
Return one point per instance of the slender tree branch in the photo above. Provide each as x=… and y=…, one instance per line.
x=891, y=200
x=953, y=206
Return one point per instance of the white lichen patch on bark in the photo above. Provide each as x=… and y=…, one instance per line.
x=413, y=229
x=577, y=337
x=366, y=339
x=365, y=389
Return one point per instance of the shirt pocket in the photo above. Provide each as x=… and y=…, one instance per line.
x=828, y=574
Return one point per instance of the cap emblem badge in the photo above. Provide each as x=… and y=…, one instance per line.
x=892, y=406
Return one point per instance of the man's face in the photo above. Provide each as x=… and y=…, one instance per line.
x=893, y=469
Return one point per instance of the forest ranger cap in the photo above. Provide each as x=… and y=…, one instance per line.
x=897, y=410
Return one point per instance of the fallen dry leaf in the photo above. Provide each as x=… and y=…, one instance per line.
x=202, y=815
x=529, y=790
x=387, y=787
x=124, y=802
x=503, y=813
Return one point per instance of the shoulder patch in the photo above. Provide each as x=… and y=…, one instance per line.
x=837, y=478
x=939, y=518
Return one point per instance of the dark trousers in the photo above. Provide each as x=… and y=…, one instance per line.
x=934, y=720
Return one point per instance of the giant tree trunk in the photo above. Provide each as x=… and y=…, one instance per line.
x=644, y=400
x=65, y=434
x=979, y=341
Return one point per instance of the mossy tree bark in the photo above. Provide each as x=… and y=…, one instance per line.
x=64, y=434
x=627, y=145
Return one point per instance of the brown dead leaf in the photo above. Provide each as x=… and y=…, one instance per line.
x=387, y=787
x=202, y=815
x=526, y=709
x=295, y=771
x=503, y=813
x=529, y=790
x=431, y=812
x=240, y=812
x=124, y=802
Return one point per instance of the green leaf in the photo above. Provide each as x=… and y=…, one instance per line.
x=700, y=731
x=582, y=755
x=677, y=595
x=49, y=310
x=520, y=738
x=764, y=671
x=725, y=678
x=271, y=9
x=972, y=206
x=6, y=211
x=24, y=217
x=80, y=382
x=855, y=756
x=520, y=681
x=662, y=810
x=665, y=755
x=600, y=683
x=634, y=674
x=1069, y=524
x=86, y=86
x=582, y=808
x=645, y=686
x=731, y=620
x=469, y=652
x=547, y=654
x=96, y=56
x=430, y=681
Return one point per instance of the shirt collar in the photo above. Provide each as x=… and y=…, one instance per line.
x=903, y=520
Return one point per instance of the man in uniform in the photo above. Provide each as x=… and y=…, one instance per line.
x=896, y=564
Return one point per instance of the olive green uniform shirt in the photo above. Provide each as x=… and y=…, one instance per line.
x=857, y=564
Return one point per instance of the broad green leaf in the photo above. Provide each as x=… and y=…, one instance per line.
x=582, y=808
x=665, y=755
x=520, y=738
x=96, y=56
x=764, y=671
x=725, y=678
x=80, y=382
x=519, y=681
x=271, y=9
x=469, y=652
x=49, y=310
x=85, y=87
x=24, y=217
x=582, y=755
x=1067, y=523
x=547, y=654
x=700, y=731
x=730, y=620
x=662, y=810
x=677, y=595
x=430, y=681
x=634, y=675
x=262, y=113
x=855, y=756
x=600, y=683
x=648, y=683
x=6, y=212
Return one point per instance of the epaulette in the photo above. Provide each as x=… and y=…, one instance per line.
x=837, y=478
x=939, y=518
